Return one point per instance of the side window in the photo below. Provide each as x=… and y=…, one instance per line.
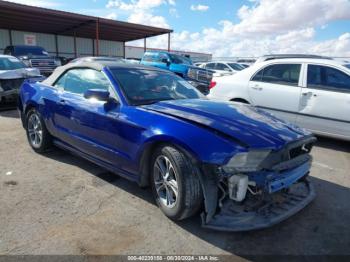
x=148, y=57
x=327, y=77
x=285, y=74
x=80, y=80
x=221, y=66
x=210, y=66
x=258, y=76
x=162, y=57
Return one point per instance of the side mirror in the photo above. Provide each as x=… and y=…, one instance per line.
x=166, y=61
x=98, y=94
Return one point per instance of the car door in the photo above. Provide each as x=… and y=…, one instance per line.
x=276, y=88
x=325, y=101
x=86, y=124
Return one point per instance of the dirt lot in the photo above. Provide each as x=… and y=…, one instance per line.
x=60, y=204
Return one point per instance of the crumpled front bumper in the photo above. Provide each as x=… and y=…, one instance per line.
x=281, y=206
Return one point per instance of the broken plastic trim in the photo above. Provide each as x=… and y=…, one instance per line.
x=281, y=206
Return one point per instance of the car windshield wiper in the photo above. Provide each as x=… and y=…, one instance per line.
x=153, y=101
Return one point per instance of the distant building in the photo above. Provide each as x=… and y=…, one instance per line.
x=135, y=52
x=66, y=34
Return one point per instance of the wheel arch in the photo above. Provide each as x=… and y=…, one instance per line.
x=206, y=175
x=24, y=111
x=148, y=150
x=179, y=74
x=240, y=100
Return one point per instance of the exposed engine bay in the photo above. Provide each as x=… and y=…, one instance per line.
x=259, y=199
x=11, y=81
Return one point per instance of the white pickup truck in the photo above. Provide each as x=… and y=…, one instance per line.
x=309, y=92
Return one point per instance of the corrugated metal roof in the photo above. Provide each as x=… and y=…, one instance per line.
x=42, y=20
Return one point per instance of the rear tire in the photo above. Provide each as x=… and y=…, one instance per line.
x=175, y=183
x=38, y=136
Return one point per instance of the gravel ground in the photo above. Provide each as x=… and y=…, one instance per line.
x=61, y=204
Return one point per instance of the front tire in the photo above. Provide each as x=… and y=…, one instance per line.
x=38, y=136
x=175, y=183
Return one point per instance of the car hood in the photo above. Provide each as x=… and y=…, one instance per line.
x=249, y=126
x=19, y=73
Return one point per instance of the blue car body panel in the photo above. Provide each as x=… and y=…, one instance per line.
x=180, y=69
x=116, y=136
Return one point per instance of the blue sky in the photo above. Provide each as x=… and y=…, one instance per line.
x=231, y=28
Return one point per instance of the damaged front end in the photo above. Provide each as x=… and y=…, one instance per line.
x=258, y=189
x=11, y=81
x=9, y=88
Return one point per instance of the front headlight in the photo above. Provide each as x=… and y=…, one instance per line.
x=58, y=62
x=192, y=73
x=246, y=161
x=27, y=62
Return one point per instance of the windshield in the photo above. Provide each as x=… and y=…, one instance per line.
x=347, y=65
x=10, y=63
x=29, y=50
x=235, y=66
x=144, y=86
x=177, y=59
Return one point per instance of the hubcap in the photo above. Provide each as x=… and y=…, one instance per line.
x=165, y=180
x=35, y=130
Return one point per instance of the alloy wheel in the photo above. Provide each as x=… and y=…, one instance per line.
x=35, y=130
x=166, y=182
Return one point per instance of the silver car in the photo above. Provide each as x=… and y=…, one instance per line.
x=12, y=73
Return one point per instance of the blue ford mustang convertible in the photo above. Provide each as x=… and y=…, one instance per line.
x=241, y=167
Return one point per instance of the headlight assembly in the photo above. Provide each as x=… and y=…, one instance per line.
x=192, y=73
x=27, y=62
x=58, y=62
x=246, y=161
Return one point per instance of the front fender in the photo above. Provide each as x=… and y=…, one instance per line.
x=206, y=172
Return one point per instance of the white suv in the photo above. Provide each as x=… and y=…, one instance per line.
x=312, y=93
x=223, y=68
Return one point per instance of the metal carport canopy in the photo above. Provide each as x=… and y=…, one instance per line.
x=42, y=20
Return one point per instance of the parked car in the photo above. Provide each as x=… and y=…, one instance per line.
x=245, y=167
x=34, y=56
x=311, y=93
x=248, y=61
x=198, y=64
x=12, y=74
x=244, y=65
x=180, y=65
x=223, y=68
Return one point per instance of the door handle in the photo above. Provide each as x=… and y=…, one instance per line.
x=309, y=93
x=306, y=93
x=257, y=87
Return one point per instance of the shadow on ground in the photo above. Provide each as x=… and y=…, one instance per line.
x=334, y=144
x=322, y=228
x=8, y=111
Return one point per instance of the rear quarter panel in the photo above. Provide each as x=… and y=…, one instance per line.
x=36, y=95
x=231, y=87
